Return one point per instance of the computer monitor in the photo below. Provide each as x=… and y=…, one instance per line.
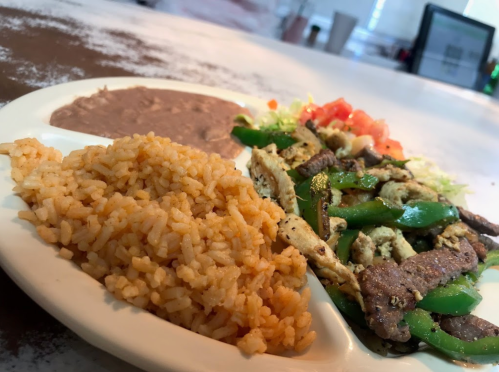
x=451, y=47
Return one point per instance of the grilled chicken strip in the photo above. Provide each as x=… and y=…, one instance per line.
x=268, y=172
x=297, y=232
x=303, y=134
x=390, y=172
x=402, y=192
x=363, y=250
x=390, y=242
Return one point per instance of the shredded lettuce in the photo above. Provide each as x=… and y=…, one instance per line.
x=429, y=174
x=284, y=119
x=244, y=120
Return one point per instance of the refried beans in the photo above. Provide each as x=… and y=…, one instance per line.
x=195, y=120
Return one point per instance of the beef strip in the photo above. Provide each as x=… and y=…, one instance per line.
x=371, y=156
x=337, y=140
x=433, y=232
x=489, y=244
x=389, y=289
x=351, y=165
x=388, y=157
x=479, y=249
x=481, y=243
x=468, y=327
x=311, y=127
x=427, y=234
x=324, y=159
x=474, y=239
x=479, y=223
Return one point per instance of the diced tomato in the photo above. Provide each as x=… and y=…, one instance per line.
x=308, y=113
x=360, y=123
x=392, y=148
x=379, y=131
x=340, y=115
x=338, y=109
x=272, y=104
x=305, y=116
x=338, y=124
x=323, y=116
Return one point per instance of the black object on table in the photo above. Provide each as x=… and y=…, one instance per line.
x=451, y=48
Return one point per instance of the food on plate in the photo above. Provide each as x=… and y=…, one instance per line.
x=398, y=258
x=195, y=120
x=334, y=119
x=172, y=230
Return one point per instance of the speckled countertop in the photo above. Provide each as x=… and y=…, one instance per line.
x=46, y=42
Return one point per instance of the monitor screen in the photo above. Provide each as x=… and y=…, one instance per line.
x=454, y=49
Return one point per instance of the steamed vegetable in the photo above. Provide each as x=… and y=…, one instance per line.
x=414, y=218
x=310, y=191
x=425, y=214
x=344, y=244
x=349, y=308
x=422, y=326
x=260, y=139
x=350, y=180
x=451, y=299
x=491, y=260
x=376, y=212
x=312, y=195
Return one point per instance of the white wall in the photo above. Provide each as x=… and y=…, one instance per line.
x=361, y=9
x=401, y=18
x=486, y=11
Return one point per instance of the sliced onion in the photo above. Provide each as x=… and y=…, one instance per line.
x=358, y=143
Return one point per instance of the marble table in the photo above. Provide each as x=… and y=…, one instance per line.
x=46, y=42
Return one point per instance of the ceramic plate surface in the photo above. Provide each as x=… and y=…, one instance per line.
x=85, y=306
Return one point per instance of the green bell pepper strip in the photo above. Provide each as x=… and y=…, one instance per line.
x=258, y=138
x=446, y=300
x=376, y=212
x=295, y=176
x=396, y=163
x=421, y=245
x=452, y=299
x=344, y=244
x=347, y=307
x=350, y=180
x=491, y=260
x=463, y=280
x=424, y=214
x=309, y=194
x=422, y=326
x=341, y=179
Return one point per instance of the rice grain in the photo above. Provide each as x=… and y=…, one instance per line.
x=171, y=230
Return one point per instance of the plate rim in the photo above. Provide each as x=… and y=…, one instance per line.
x=276, y=363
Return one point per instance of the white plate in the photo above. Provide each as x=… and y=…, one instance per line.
x=136, y=336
